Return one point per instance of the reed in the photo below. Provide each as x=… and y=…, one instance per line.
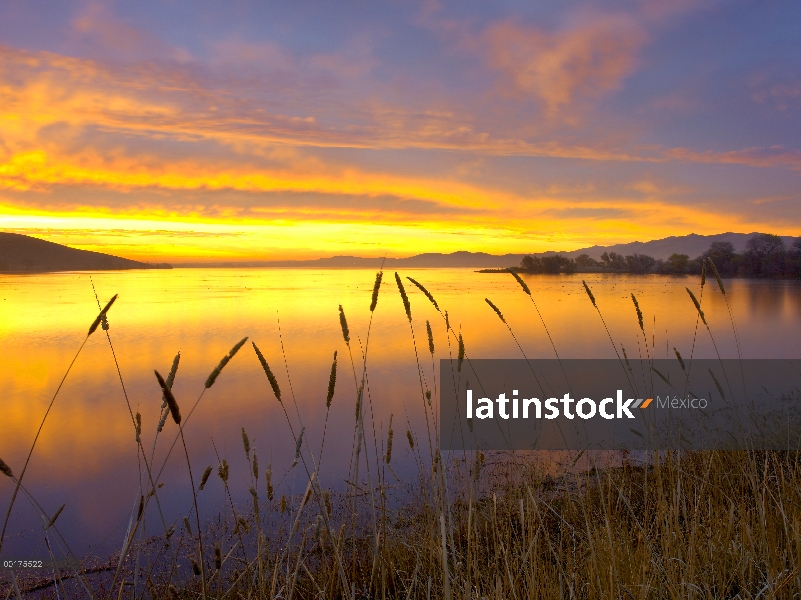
x=695, y=525
x=408, y=310
x=204, y=478
x=608, y=333
x=332, y=382
x=426, y=292
x=176, y=417
x=92, y=329
x=539, y=314
x=343, y=323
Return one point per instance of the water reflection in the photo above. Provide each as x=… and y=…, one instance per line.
x=87, y=454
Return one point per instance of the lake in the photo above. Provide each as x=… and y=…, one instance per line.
x=87, y=455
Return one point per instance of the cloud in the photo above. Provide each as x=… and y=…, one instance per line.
x=369, y=139
x=771, y=157
x=783, y=95
x=561, y=68
x=97, y=30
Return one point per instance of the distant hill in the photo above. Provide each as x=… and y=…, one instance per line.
x=25, y=254
x=693, y=245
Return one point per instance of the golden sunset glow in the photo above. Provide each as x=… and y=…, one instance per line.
x=116, y=138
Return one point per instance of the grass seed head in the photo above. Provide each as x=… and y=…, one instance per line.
x=520, y=281
x=461, y=354
x=681, y=362
x=406, y=306
x=222, y=471
x=224, y=361
x=389, y=440
x=195, y=567
x=217, y=557
x=255, y=500
x=55, y=516
x=283, y=503
x=639, y=312
x=246, y=443
x=717, y=385
x=332, y=382
x=205, y=478
x=428, y=396
x=5, y=469
x=703, y=273
x=99, y=318
x=171, y=402
x=343, y=322
x=426, y=292
x=255, y=466
x=138, y=427
x=589, y=293
x=410, y=438
x=173, y=370
x=717, y=276
x=327, y=501
x=187, y=526
x=268, y=372
x=163, y=418
x=269, y=477
x=430, y=338
x=496, y=309
x=376, y=287
x=697, y=305
x=299, y=443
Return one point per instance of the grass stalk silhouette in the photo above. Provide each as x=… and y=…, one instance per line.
x=648, y=531
x=608, y=333
x=92, y=328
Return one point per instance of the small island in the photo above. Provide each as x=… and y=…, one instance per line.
x=765, y=256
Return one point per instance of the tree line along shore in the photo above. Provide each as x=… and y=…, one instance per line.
x=765, y=256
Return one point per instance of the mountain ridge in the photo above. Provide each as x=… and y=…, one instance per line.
x=692, y=244
x=25, y=254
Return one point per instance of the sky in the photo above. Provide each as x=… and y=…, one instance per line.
x=186, y=131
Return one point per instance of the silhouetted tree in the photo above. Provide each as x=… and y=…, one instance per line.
x=639, y=263
x=614, y=261
x=553, y=264
x=585, y=260
x=547, y=264
x=677, y=263
x=764, y=256
x=725, y=259
x=793, y=259
x=531, y=264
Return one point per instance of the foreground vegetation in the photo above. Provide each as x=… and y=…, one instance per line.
x=470, y=525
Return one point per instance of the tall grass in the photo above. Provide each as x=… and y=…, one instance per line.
x=473, y=526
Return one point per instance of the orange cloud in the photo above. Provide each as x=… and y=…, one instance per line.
x=168, y=152
x=557, y=68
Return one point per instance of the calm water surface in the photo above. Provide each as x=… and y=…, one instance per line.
x=87, y=455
